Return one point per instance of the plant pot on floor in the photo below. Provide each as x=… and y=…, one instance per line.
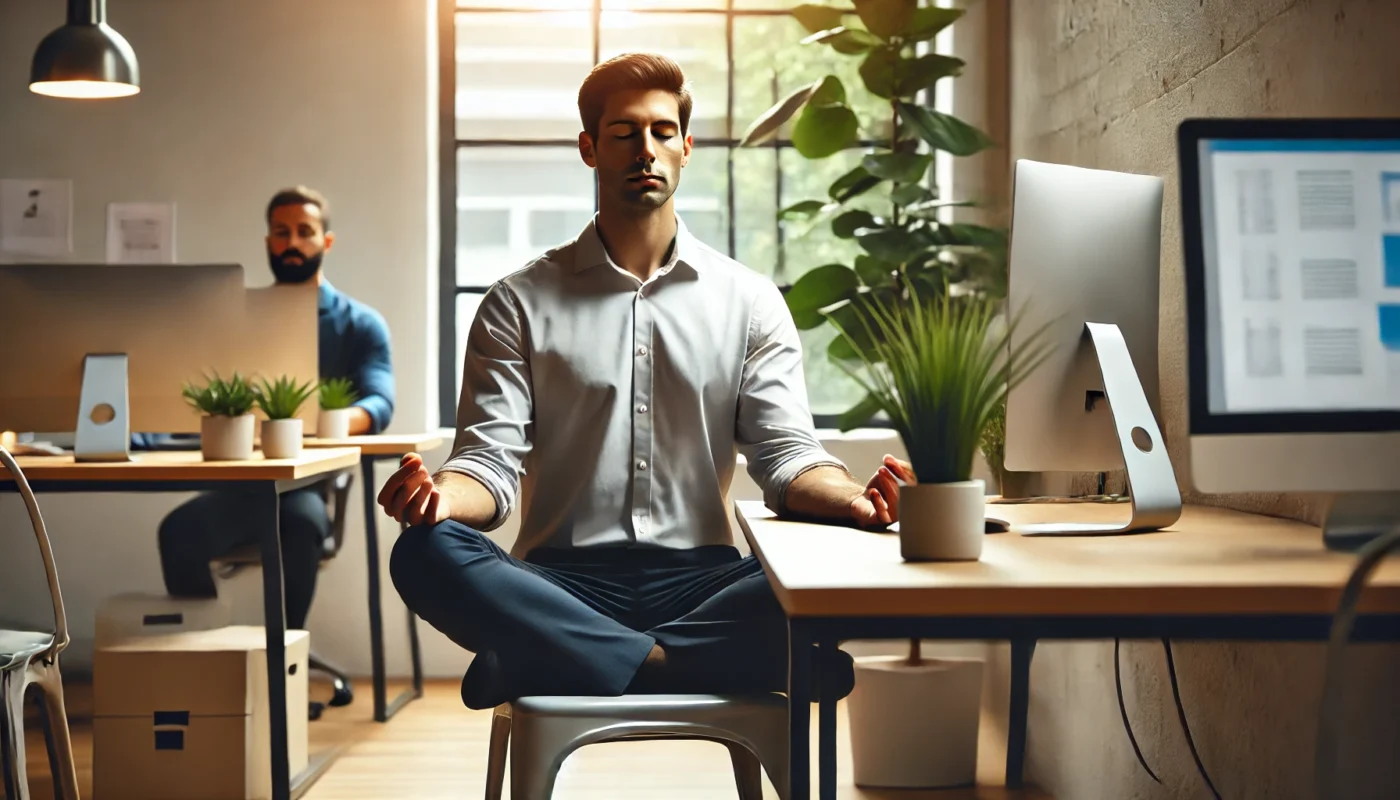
x=914, y=723
x=333, y=423
x=942, y=521
x=226, y=438
x=281, y=438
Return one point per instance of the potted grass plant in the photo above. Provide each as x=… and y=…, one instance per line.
x=226, y=429
x=939, y=367
x=280, y=400
x=338, y=396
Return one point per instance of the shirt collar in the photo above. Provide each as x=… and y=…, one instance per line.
x=326, y=295
x=590, y=252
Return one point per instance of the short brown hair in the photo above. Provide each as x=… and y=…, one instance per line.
x=632, y=71
x=300, y=196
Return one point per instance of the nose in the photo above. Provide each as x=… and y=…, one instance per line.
x=648, y=153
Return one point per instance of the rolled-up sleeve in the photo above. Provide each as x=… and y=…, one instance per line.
x=375, y=375
x=775, y=431
x=495, y=410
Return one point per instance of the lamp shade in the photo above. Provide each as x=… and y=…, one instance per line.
x=85, y=58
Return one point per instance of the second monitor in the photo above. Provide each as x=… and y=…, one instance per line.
x=1084, y=261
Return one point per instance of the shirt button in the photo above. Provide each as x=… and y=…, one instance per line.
x=641, y=351
x=641, y=465
x=642, y=408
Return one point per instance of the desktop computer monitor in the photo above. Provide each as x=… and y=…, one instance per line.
x=1292, y=254
x=1085, y=250
x=128, y=336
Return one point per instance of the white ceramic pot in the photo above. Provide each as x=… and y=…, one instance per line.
x=226, y=438
x=914, y=726
x=942, y=521
x=333, y=423
x=281, y=438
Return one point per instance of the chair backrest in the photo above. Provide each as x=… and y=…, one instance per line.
x=60, y=638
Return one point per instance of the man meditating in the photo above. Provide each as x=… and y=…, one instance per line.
x=608, y=385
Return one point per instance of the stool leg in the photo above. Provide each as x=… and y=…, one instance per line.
x=748, y=773
x=12, y=736
x=65, y=776
x=496, y=756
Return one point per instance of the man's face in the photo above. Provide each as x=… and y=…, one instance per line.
x=296, y=241
x=640, y=149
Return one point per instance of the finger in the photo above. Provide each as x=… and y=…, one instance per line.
x=397, y=479
x=882, y=510
x=413, y=509
x=902, y=469
x=862, y=511
x=889, y=489
x=398, y=501
x=430, y=514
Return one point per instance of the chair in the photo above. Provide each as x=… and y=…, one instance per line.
x=31, y=658
x=337, y=491
x=546, y=730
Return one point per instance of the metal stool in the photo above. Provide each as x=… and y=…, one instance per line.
x=547, y=729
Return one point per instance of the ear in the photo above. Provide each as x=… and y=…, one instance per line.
x=330, y=239
x=689, y=145
x=586, y=151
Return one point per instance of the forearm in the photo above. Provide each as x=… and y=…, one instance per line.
x=822, y=493
x=469, y=501
x=360, y=421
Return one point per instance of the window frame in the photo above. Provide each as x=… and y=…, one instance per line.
x=449, y=146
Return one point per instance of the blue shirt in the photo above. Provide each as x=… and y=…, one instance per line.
x=353, y=343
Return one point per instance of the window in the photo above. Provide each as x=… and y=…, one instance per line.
x=513, y=185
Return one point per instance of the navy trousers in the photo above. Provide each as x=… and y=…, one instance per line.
x=581, y=621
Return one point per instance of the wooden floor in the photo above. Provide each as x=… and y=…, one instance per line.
x=436, y=749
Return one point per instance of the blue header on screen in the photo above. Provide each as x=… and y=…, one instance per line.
x=1305, y=145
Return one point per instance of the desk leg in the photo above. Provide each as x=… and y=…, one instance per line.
x=799, y=710
x=415, y=653
x=826, y=725
x=1021, y=652
x=376, y=621
x=275, y=620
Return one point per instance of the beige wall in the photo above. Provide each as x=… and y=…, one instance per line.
x=1103, y=83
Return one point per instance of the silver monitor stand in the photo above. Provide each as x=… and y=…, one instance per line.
x=103, y=432
x=1156, y=501
x=1356, y=518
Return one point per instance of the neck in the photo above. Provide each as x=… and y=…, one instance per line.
x=638, y=242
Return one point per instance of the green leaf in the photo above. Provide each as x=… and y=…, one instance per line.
x=928, y=22
x=847, y=41
x=873, y=272
x=966, y=233
x=770, y=121
x=817, y=18
x=822, y=287
x=860, y=413
x=829, y=92
x=846, y=225
x=802, y=210
x=944, y=131
x=887, y=18
x=856, y=182
x=825, y=131
x=895, y=245
x=281, y=399
x=911, y=194
x=879, y=71
x=807, y=318
x=923, y=72
x=899, y=167
x=338, y=393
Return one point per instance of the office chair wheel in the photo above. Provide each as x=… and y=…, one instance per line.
x=344, y=692
x=314, y=710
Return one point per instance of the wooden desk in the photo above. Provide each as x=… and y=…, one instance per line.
x=375, y=448
x=186, y=471
x=1215, y=574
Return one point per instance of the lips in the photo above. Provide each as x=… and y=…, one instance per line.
x=646, y=180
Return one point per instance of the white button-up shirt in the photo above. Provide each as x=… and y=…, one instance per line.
x=614, y=407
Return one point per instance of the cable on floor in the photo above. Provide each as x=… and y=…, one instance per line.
x=1181, y=714
x=1123, y=709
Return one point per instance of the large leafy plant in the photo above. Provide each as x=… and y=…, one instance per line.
x=904, y=244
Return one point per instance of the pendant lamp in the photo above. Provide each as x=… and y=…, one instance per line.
x=85, y=58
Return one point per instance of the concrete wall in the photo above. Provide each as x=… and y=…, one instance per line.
x=1103, y=83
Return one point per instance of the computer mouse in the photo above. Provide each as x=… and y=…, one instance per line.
x=995, y=525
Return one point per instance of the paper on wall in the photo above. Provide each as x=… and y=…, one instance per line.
x=36, y=217
x=141, y=233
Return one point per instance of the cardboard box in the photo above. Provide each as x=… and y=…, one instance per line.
x=184, y=715
x=123, y=616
